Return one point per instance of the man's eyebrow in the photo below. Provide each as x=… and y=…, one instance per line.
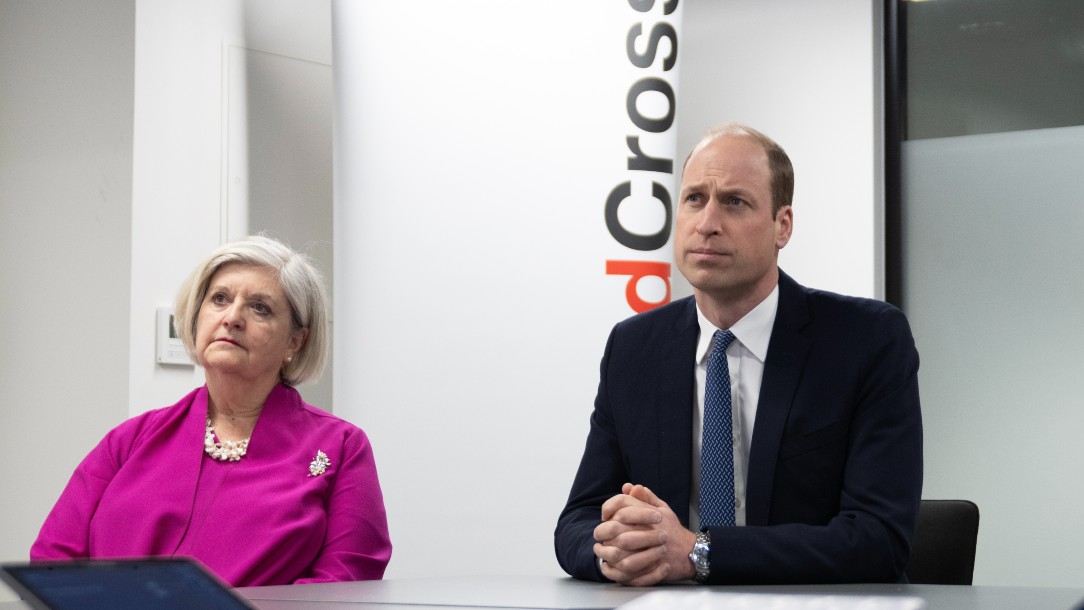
x=729, y=190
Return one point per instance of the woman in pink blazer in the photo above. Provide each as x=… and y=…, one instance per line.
x=241, y=474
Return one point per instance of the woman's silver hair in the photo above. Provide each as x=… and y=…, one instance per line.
x=301, y=282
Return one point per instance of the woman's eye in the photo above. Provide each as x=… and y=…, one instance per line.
x=261, y=308
x=218, y=298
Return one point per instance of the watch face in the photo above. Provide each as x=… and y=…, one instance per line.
x=700, y=557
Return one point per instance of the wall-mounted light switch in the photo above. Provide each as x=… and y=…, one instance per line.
x=170, y=348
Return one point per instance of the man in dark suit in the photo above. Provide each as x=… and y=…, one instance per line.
x=822, y=429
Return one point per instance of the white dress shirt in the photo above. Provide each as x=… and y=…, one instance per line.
x=745, y=358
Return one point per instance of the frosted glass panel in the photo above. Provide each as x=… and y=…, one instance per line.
x=993, y=285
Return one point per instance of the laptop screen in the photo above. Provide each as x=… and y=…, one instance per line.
x=120, y=584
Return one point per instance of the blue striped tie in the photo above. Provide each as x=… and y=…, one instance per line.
x=717, y=445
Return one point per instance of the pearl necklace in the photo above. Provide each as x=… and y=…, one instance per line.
x=229, y=451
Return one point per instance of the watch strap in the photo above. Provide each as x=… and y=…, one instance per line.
x=701, y=557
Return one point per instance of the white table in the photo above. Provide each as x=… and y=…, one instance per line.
x=514, y=592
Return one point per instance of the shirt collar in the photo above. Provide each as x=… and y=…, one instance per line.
x=753, y=330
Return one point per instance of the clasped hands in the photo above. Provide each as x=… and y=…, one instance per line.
x=640, y=541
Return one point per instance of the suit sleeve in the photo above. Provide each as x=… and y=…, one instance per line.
x=66, y=531
x=357, y=545
x=879, y=442
x=599, y=477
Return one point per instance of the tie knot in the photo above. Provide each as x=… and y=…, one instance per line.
x=721, y=340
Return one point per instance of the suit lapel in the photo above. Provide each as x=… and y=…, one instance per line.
x=787, y=352
x=675, y=409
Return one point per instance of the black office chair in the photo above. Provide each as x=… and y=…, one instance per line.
x=943, y=552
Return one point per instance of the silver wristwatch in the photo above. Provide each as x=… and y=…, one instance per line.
x=700, y=557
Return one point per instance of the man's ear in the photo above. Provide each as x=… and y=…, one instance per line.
x=784, y=223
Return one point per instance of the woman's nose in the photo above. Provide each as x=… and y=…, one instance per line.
x=231, y=316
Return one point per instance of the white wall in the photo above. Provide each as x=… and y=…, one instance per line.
x=470, y=185
x=808, y=75
x=112, y=163
x=181, y=185
x=65, y=233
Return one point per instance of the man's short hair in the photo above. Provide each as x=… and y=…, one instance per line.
x=780, y=170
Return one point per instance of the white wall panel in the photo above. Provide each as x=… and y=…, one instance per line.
x=808, y=75
x=65, y=233
x=184, y=126
x=476, y=147
x=476, y=144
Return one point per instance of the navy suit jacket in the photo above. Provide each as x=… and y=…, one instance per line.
x=835, y=465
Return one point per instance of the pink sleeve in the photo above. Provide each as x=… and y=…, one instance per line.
x=357, y=546
x=66, y=531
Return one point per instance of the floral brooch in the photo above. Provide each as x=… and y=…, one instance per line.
x=319, y=464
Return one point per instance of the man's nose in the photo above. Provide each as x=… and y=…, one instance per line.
x=710, y=219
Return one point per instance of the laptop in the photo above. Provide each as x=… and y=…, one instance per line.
x=166, y=584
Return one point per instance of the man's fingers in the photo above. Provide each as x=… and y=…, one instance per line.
x=659, y=574
x=638, y=569
x=611, y=555
x=637, y=515
x=610, y=530
x=630, y=563
x=616, y=503
x=636, y=539
x=644, y=495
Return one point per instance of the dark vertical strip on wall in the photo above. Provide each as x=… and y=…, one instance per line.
x=894, y=117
